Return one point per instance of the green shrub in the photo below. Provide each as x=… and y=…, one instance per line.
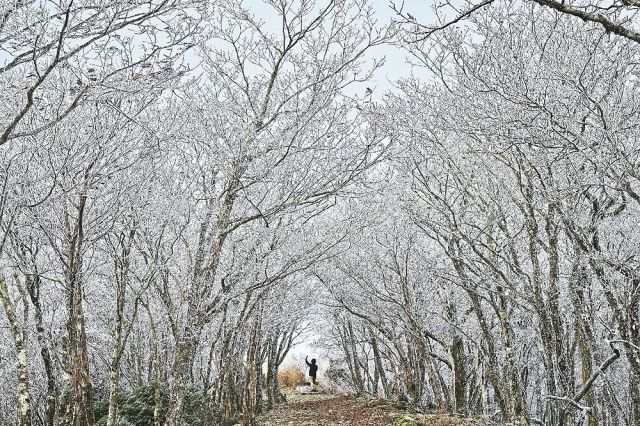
x=136, y=407
x=406, y=421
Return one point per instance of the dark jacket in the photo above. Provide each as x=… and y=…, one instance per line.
x=313, y=368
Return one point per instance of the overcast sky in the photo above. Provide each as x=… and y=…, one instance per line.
x=396, y=65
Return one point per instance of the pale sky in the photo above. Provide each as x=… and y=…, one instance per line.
x=396, y=66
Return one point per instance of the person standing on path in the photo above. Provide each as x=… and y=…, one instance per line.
x=313, y=371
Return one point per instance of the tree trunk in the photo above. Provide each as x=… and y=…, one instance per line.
x=33, y=287
x=180, y=373
x=77, y=400
x=458, y=373
x=516, y=397
x=113, y=394
x=494, y=369
x=119, y=335
x=253, y=373
x=380, y=373
x=22, y=369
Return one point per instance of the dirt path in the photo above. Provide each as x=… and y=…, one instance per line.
x=325, y=410
x=336, y=410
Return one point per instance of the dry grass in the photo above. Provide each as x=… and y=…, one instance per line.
x=290, y=376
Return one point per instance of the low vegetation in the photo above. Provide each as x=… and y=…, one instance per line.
x=290, y=376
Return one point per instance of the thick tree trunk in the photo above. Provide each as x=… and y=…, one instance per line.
x=584, y=331
x=458, y=362
x=120, y=332
x=180, y=373
x=253, y=377
x=79, y=410
x=77, y=400
x=489, y=340
x=22, y=368
x=77, y=404
x=348, y=339
x=114, y=377
x=380, y=372
x=155, y=368
x=206, y=264
x=516, y=396
x=272, y=373
x=33, y=287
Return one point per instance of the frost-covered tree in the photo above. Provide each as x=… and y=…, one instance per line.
x=523, y=176
x=270, y=133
